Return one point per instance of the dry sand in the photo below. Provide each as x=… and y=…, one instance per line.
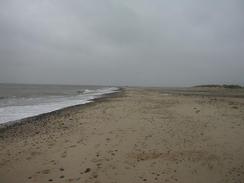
x=139, y=135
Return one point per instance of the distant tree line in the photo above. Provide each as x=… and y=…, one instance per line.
x=221, y=86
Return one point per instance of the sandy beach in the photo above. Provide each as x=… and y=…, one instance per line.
x=137, y=135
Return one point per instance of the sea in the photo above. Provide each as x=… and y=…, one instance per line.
x=19, y=101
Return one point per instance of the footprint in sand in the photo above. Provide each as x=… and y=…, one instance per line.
x=95, y=176
x=72, y=146
x=64, y=154
x=53, y=162
x=79, y=141
x=46, y=171
x=73, y=179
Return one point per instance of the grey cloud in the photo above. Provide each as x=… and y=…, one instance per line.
x=129, y=42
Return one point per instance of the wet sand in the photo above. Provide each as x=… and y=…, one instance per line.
x=138, y=135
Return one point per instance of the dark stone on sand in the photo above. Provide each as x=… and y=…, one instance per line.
x=61, y=169
x=87, y=170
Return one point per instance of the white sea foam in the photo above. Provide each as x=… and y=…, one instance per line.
x=45, y=105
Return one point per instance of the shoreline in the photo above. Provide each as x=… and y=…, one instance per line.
x=40, y=117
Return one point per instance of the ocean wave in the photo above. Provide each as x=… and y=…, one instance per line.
x=36, y=106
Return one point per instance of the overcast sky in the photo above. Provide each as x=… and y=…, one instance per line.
x=122, y=42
